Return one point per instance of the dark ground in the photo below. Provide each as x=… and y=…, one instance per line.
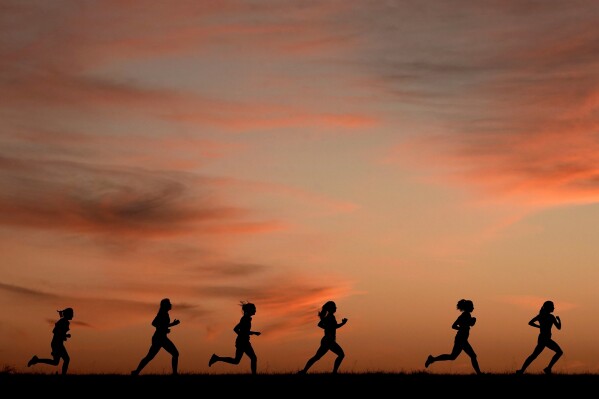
x=375, y=385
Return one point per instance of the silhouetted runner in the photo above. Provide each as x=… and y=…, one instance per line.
x=462, y=324
x=243, y=329
x=60, y=331
x=328, y=342
x=162, y=322
x=544, y=321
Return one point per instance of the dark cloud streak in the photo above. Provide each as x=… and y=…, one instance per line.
x=88, y=198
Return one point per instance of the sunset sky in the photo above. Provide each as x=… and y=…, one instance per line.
x=392, y=156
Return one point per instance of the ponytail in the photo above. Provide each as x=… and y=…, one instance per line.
x=326, y=308
x=64, y=312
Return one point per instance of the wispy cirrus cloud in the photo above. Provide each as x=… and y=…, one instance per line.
x=163, y=152
x=514, y=113
x=55, y=65
x=93, y=199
